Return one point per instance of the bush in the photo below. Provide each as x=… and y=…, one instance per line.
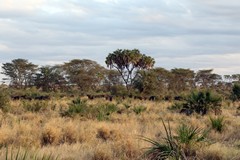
x=104, y=111
x=175, y=147
x=139, y=109
x=188, y=137
x=200, y=102
x=77, y=106
x=217, y=123
x=80, y=107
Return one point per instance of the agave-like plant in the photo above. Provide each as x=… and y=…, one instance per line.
x=178, y=147
x=188, y=137
x=202, y=101
x=169, y=148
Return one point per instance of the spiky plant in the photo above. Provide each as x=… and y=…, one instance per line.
x=202, y=101
x=169, y=148
x=189, y=137
x=217, y=123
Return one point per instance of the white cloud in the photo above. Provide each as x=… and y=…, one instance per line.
x=222, y=64
x=177, y=33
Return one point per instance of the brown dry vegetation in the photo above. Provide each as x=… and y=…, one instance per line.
x=117, y=137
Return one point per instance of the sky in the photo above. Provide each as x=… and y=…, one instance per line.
x=195, y=34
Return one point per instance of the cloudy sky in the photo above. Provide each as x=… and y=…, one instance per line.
x=196, y=34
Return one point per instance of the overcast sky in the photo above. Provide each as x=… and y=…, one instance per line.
x=196, y=34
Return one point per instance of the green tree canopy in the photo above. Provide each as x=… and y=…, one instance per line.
x=128, y=63
x=182, y=80
x=86, y=74
x=49, y=78
x=205, y=78
x=20, y=72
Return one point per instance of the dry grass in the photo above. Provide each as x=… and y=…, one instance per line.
x=115, y=138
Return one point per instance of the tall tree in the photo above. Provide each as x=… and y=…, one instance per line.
x=50, y=78
x=20, y=72
x=128, y=63
x=207, y=79
x=112, y=81
x=86, y=74
x=153, y=82
x=182, y=80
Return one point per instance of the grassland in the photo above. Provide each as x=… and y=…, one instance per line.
x=108, y=136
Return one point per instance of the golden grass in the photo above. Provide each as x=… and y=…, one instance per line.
x=116, y=138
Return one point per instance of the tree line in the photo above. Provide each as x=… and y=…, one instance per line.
x=128, y=72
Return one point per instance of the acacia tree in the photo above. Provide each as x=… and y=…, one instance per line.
x=153, y=82
x=20, y=72
x=206, y=79
x=182, y=80
x=128, y=63
x=86, y=74
x=49, y=78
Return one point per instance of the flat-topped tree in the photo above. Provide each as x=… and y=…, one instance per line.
x=128, y=63
x=20, y=72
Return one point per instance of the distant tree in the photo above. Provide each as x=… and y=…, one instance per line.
x=50, y=78
x=207, y=79
x=153, y=81
x=112, y=81
x=182, y=80
x=20, y=72
x=86, y=74
x=128, y=63
x=236, y=77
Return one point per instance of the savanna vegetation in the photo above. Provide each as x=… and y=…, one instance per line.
x=130, y=110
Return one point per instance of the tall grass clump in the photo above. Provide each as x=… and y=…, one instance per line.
x=4, y=99
x=34, y=106
x=217, y=123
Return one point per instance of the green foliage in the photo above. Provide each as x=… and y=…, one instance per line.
x=34, y=106
x=20, y=72
x=201, y=102
x=77, y=106
x=236, y=92
x=139, y=109
x=175, y=147
x=80, y=107
x=176, y=106
x=168, y=149
x=188, y=137
x=4, y=99
x=128, y=62
x=217, y=123
x=86, y=74
x=126, y=105
x=104, y=111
